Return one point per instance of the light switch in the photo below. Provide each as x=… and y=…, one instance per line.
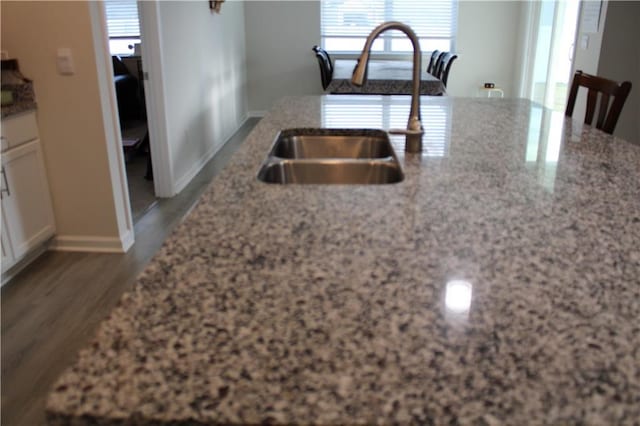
x=4, y=54
x=584, y=41
x=64, y=61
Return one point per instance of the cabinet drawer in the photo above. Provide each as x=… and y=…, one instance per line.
x=19, y=129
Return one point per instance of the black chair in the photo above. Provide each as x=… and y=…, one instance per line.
x=130, y=105
x=432, y=61
x=437, y=65
x=326, y=66
x=132, y=114
x=607, y=114
x=445, y=67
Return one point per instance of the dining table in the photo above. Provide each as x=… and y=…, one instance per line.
x=383, y=78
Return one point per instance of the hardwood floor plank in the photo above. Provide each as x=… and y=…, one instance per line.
x=52, y=308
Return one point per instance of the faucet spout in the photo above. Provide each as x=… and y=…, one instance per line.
x=413, y=143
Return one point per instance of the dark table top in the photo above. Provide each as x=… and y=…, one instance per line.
x=384, y=78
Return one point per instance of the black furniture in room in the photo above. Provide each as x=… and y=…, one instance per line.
x=132, y=113
x=326, y=66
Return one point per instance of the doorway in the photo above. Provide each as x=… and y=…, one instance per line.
x=551, y=41
x=123, y=28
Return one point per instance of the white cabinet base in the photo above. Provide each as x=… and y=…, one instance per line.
x=27, y=213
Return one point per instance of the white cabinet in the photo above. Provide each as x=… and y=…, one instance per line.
x=7, y=254
x=27, y=214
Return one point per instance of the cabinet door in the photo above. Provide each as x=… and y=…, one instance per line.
x=26, y=204
x=7, y=254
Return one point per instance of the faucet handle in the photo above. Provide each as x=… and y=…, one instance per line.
x=405, y=132
x=413, y=139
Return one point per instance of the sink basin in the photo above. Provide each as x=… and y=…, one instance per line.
x=332, y=143
x=331, y=172
x=331, y=156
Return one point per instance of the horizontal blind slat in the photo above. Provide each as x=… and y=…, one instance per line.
x=433, y=19
x=122, y=18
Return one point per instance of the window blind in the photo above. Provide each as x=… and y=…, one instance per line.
x=432, y=19
x=122, y=18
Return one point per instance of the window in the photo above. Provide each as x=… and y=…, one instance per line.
x=345, y=24
x=122, y=25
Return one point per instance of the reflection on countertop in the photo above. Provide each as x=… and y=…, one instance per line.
x=497, y=284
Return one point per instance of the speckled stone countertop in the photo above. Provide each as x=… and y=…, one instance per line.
x=24, y=99
x=499, y=283
x=17, y=108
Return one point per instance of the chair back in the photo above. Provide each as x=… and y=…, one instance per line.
x=432, y=61
x=607, y=114
x=119, y=68
x=326, y=66
x=445, y=67
x=437, y=65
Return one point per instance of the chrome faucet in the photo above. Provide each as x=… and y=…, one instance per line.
x=414, y=131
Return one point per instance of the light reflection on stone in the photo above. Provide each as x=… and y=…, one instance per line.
x=458, y=296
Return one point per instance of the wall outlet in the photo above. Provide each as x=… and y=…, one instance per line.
x=4, y=54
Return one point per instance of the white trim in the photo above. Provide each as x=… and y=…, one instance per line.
x=530, y=43
x=92, y=243
x=115, y=154
x=574, y=54
x=195, y=169
x=155, y=97
x=258, y=113
x=527, y=13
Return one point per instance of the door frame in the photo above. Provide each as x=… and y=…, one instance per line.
x=156, y=112
x=155, y=97
x=109, y=109
x=533, y=13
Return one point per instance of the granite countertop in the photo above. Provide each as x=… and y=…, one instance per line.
x=499, y=283
x=18, y=108
x=24, y=99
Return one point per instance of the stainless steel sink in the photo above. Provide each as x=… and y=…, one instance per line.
x=331, y=156
x=332, y=143
x=331, y=172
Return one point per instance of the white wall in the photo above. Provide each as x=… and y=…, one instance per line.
x=487, y=46
x=620, y=60
x=587, y=59
x=204, y=81
x=280, y=35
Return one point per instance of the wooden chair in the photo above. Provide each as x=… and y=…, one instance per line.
x=326, y=66
x=445, y=67
x=432, y=61
x=607, y=114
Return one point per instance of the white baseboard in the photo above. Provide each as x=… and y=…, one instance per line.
x=127, y=239
x=258, y=114
x=93, y=243
x=195, y=169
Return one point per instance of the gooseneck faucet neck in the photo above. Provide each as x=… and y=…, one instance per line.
x=414, y=126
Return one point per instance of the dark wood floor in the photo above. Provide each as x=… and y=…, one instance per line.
x=142, y=194
x=52, y=308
